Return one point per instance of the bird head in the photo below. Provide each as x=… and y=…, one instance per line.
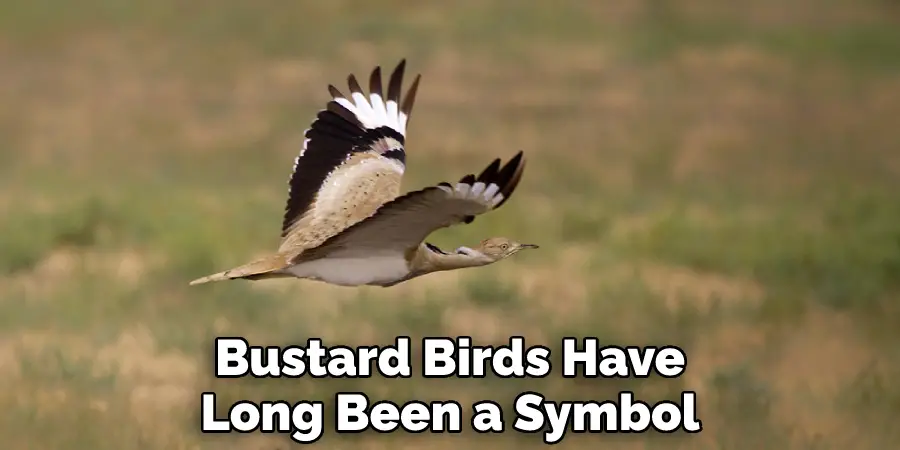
x=498, y=248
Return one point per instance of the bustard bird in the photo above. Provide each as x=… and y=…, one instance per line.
x=345, y=222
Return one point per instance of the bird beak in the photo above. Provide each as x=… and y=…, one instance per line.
x=528, y=246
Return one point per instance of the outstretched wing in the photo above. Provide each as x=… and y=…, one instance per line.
x=355, y=140
x=402, y=224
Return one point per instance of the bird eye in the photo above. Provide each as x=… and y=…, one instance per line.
x=504, y=246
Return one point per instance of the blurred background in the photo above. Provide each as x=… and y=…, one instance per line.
x=719, y=175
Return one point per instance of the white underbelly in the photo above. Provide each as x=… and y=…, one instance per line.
x=353, y=271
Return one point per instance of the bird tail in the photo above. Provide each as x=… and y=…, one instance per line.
x=260, y=269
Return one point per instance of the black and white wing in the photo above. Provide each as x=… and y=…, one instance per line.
x=404, y=223
x=357, y=136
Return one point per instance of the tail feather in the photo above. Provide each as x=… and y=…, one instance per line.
x=262, y=268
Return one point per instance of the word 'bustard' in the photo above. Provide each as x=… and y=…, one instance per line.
x=345, y=222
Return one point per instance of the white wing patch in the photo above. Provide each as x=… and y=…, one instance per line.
x=478, y=191
x=375, y=112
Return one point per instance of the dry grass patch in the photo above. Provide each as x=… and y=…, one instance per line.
x=113, y=91
x=776, y=13
x=559, y=288
x=728, y=344
x=814, y=362
x=157, y=385
x=134, y=356
x=678, y=285
x=127, y=267
x=705, y=146
x=488, y=326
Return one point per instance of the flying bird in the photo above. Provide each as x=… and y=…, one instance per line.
x=345, y=222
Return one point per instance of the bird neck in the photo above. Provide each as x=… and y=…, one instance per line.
x=431, y=260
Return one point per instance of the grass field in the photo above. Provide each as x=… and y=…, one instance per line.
x=724, y=176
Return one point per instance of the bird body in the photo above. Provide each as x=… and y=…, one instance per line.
x=373, y=270
x=345, y=222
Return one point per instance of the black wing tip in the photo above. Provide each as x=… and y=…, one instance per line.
x=410, y=98
x=515, y=165
x=394, y=88
x=490, y=172
x=335, y=93
x=467, y=179
x=506, y=177
x=401, y=66
x=517, y=159
x=353, y=83
x=375, y=86
x=395, y=84
x=375, y=81
x=510, y=175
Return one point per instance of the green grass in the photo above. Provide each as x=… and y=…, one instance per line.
x=722, y=179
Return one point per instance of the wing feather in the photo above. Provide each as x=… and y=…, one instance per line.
x=406, y=221
x=348, y=125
